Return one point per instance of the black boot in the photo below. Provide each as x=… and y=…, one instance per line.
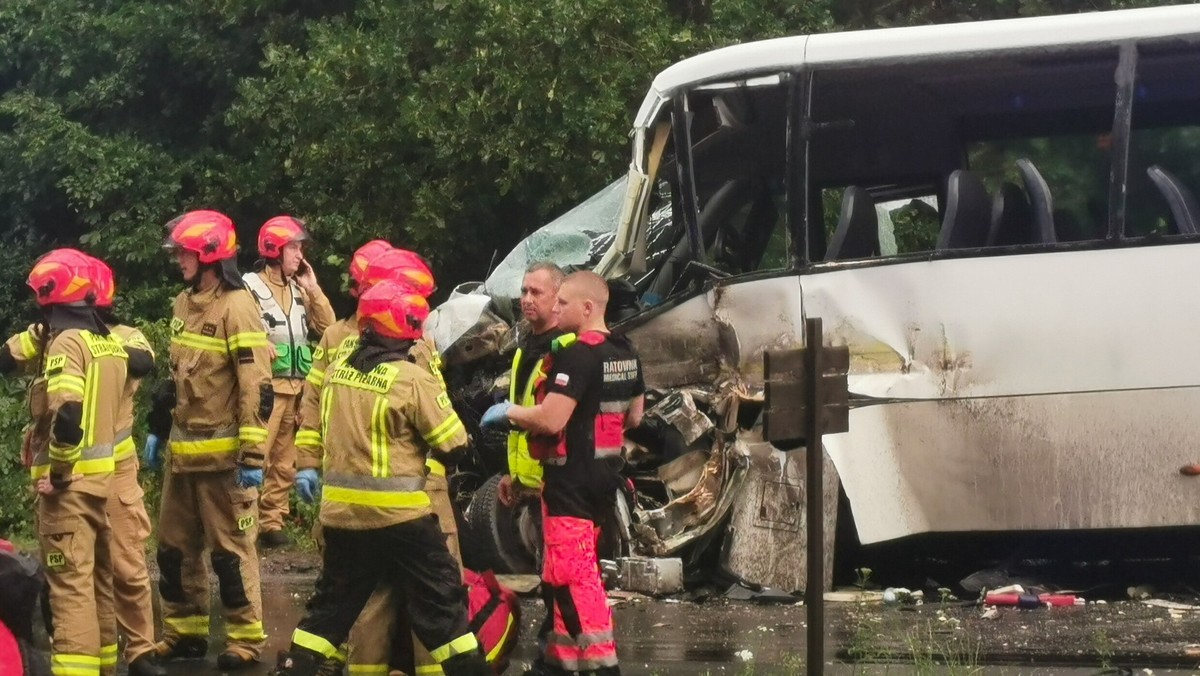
x=467, y=664
x=232, y=660
x=146, y=665
x=296, y=663
x=174, y=647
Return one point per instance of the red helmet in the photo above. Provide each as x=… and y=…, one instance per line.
x=402, y=266
x=278, y=233
x=393, y=310
x=64, y=276
x=106, y=284
x=208, y=234
x=363, y=257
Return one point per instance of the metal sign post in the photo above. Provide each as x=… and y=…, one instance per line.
x=806, y=396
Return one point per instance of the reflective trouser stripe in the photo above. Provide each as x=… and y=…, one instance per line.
x=371, y=670
x=428, y=669
x=495, y=652
x=246, y=632
x=69, y=664
x=314, y=643
x=108, y=655
x=193, y=625
x=463, y=644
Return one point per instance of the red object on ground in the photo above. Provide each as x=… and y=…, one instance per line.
x=11, y=662
x=1029, y=600
x=495, y=613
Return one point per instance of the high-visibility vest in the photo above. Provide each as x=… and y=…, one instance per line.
x=522, y=466
x=288, y=332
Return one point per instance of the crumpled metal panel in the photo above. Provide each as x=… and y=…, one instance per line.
x=1043, y=391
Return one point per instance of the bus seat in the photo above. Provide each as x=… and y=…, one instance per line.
x=1011, y=217
x=1184, y=213
x=857, y=232
x=1041, y=203
x=968, y=212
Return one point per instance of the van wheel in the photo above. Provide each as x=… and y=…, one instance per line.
x=500, y=538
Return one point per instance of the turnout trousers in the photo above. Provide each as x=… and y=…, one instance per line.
x=75, y=539
x=279, y=471
x=577, y=634
x=131, y=579
x=410, y=557
x=209, y=511
x=371, y=651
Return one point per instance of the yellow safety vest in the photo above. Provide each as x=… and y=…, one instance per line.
x=521, y=465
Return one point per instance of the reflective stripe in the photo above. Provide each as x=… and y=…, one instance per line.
x=582, y=641
x=350, y=496
x=423, y=669
x=397, y=484
x=445, y=431
x=315, y=377
x=608, y=452
x=248, y=339
x=495, y=652
x=252, y=435
x=83, y=457
x=73, y=664
x=246, y=632
x=65, y=382
x=124, y=446
x=97, y=466
x=192, y=625
x=463, y=644
x=199, y=342
x=314, y=643
x=108, y=655
x=380, y=465
x=29, y=348
x=202, y=446
x=371, y=669
x=340, y=655
x=435, y=468
x=308, y=438
x=614, y=406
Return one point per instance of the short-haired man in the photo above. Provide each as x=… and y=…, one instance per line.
x=591, y=393
x=539, y=296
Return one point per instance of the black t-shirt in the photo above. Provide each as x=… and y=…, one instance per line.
x=585, y=487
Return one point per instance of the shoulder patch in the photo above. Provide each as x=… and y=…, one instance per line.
x=176, y=325
x=318, y=353
x=443, y=400
x=561, y=379
x=56, y=364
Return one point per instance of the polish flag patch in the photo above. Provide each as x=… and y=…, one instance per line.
x=561, y=379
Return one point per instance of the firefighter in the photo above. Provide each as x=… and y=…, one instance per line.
x=215, y=412
x=292, y=306
x=539, y=294
x=370, y=649
x=85, y=372
x=591, y=393
x=381, y=414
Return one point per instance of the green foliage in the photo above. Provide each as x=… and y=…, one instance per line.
x=16, y=498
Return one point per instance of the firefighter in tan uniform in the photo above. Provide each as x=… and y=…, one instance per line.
x=85, y=372
x=219, y=405
x=293, y=307
x=126, y=508
x=370, y=649
x=380, y=415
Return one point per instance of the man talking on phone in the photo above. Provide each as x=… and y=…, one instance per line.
x=293, y=309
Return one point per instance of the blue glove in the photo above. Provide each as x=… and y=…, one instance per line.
x=151, y=452
x=249, y=477
x=496, y=415
x=308, y=485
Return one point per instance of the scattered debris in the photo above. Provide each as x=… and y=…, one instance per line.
x=1170, y=605
x=741, y=592
x=853, y=597
x=744, y=655
x=650, y=576
x=990, y=613
x=1141, y=591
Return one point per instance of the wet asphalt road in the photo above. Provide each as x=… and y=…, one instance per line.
x=653, y=637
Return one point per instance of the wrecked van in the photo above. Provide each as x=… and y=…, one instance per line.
x=996, y=218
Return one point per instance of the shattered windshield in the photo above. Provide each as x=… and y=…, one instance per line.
x=579, y=237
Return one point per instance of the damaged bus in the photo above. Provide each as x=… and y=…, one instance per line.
x=996, y=217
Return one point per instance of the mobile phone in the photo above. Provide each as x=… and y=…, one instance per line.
x=303, y=268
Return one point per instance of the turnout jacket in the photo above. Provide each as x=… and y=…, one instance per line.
x=221, y=365
x=132, y=339
x=372, y=437
x=85, y=375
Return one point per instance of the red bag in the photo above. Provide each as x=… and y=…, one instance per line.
x=495, y=617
